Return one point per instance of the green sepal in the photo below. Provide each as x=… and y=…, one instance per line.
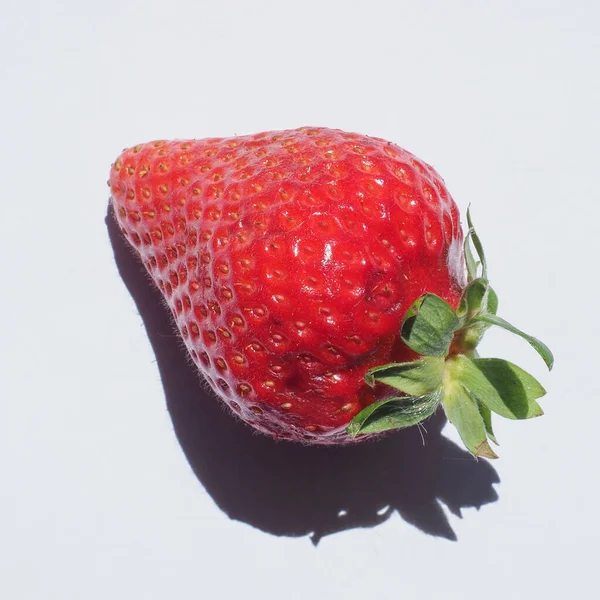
x=395, y=413
x=472, y=264
x=463, y=412
x=415, y=378
x=472, y=234
x=477, y=298
x=486, y=415
x=537, y=345
x=429, y=325
x=500, y=385
x=503, y=387
x=450, y=371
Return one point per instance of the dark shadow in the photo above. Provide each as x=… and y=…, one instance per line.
x=293, y=490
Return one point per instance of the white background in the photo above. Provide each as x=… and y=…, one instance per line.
x=98, y=500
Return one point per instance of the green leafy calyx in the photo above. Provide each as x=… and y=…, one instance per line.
x=450, y=372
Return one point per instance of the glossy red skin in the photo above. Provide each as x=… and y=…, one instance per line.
x=288, y=260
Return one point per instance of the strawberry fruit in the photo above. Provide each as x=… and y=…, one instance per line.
x=318, y=280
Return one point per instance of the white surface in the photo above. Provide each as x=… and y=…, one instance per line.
x=97, y=499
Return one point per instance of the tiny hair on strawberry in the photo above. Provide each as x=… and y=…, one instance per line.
x=322, y=284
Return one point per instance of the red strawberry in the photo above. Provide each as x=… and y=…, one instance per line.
x=289, y=260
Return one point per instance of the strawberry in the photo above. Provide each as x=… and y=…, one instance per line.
x=318, y=280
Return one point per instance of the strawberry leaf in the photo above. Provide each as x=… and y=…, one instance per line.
x=395, y=413
x=538, y=346
x=414, y=378
x=463, y=412
x=429, y=325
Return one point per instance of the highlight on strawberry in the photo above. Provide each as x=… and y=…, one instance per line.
x=321, y=283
